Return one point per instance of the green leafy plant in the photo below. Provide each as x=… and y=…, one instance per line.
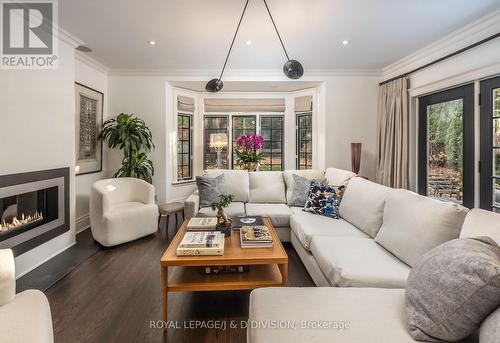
x=219, y=206
x=130, y=134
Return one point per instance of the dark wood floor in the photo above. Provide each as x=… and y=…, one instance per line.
x=115, y=294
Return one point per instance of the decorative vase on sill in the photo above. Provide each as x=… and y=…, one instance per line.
x=355, y=157
x=223, y=221
x=248, y=151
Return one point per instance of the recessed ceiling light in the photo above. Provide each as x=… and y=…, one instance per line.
x=345, y=42
x=248, y=42
x=152, y=42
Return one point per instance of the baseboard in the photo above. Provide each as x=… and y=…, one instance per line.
x=82, y=223
x=45, y=260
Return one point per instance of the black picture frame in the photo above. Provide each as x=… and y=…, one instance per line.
x=88, y=167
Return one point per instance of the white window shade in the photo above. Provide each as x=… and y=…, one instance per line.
x=303, y=104
x=185, y=104
x=225, y=105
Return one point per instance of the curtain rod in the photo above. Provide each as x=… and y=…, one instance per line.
x=485, y=40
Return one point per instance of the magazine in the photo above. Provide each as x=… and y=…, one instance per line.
x=257, y=236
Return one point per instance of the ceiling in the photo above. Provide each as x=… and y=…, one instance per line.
x=195, y=34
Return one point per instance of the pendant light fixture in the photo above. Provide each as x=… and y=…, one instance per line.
x=292, y=68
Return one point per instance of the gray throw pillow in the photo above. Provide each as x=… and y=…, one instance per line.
x=452, y=289
x=300, y=191
x=209, y=189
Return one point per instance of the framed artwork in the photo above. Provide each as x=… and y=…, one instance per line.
x=89, y=107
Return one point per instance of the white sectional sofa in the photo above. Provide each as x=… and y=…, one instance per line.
x=373, y=314
x=379, y=235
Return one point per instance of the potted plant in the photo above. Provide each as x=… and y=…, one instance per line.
x=248, y=151
x=130, y=134
x=223, y=221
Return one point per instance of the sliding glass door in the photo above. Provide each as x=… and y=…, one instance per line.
x=490, y=144
x=446, y=145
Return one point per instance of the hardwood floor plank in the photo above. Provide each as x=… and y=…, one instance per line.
x=115, y=295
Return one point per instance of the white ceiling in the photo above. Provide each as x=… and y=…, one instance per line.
x=195, y=34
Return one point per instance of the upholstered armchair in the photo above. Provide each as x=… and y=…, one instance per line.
x=24, y=317
x=122, y=210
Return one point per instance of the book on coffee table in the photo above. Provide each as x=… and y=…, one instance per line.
x=202, y=224
x=201, y=244
x=257, y=236
x=241, y=221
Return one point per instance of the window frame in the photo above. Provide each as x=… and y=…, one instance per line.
x=233, y=139
x=297, y=140
x=204, y=143
x=282, y=141
x=190, y=149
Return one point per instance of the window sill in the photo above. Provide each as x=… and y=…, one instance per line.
x=183, y=182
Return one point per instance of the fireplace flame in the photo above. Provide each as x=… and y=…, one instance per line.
x=18, y=222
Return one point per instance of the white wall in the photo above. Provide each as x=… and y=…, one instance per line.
x=37, y=117
x=351, y=117
x=144, y=97
x=93, y=76
x=350, y=106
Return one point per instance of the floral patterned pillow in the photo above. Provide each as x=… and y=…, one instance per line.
x=324, y=199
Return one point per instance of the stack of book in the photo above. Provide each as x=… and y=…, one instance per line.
x=198, y=243
x=257, y=236
x=202, y=224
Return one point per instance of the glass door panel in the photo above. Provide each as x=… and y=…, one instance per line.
x=490, y=144
x=446, y=145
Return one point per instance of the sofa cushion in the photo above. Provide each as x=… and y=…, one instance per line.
x=338, y=177
x=278, y=213
x=453, y=288
x=306, y=225
x=210, y=188
x=309, y=174
x=489, y=331
x=237, y=183
x=414, y=224
x=363, y=204
x=233, y=210
x=375, y=315
x=481, y=223
x=267, y=187
x=358, y=262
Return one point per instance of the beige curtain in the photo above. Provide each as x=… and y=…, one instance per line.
x=392, y=134
x=185, y=103
x=303, y=104
x=244, y=105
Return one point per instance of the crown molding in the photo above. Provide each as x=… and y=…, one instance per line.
x=91, y=62
x=247, y=74
x=69, y=38
x=470, y=34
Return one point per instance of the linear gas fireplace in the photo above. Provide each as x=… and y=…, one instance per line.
x=34, y=208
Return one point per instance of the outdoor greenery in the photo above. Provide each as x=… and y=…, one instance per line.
x=130, y=134
x=445, y=139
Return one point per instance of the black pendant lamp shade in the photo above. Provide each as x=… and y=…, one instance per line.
x=292, y=68
x=214, y=85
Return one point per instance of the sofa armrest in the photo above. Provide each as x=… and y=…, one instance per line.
x=7, y=277
x=191, y=206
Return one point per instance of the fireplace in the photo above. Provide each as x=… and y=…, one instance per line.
x=34, y=208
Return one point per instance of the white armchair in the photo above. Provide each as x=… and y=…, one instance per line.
x=24, y=317
x=122, y=210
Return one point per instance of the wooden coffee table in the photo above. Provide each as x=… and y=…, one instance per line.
x=268, y=267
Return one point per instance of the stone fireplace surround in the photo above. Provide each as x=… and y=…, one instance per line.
x=32, y=181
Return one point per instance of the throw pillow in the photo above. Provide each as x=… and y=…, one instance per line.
x=300, y=191
x=489, y=332
x=323, y=200
x=452, y=289
x=209, y=189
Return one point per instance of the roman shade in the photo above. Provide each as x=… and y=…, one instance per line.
x=244, y=105
x=303, y=104
x=185, y=103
